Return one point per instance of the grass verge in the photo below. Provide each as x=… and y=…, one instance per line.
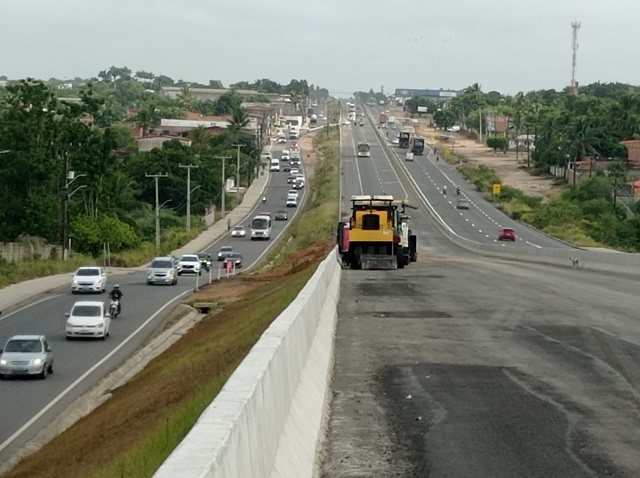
x=134, y=431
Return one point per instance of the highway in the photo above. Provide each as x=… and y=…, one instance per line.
x=482, y=222
x=29, y=404
x=465, y=366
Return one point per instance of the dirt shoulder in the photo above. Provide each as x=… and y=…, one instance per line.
x=510, y=167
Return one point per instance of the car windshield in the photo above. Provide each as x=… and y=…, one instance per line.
x=25, y=346
x=238, y=228
x=88, y=272
x=235, y=255
x=189, y=259
x=507, y=230
x=226, y=249
x=161, y=265
x=86, y=311
x=203, y=255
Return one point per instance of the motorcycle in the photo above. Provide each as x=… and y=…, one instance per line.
x=458, y=191
x=113, y=308
x=444, y=190
x=264, y=199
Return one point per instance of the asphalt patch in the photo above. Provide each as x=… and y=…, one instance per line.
x=461, y=421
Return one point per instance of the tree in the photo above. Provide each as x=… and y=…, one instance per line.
x=185, y=97
x=444, y=118
x=497, y=143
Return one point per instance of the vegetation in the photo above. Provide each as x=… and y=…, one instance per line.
x=78, y=153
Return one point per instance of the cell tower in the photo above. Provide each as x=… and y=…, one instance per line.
x=575, y=26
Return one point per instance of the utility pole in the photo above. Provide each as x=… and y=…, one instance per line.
x=223, y=158
x=238, y=170
x=155, y=177
x=188, y=167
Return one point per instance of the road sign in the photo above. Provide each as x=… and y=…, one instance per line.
x=496, y=189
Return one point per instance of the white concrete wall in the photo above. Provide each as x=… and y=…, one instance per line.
x=278, y=390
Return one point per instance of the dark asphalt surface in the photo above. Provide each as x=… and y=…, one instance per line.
x=462, y=366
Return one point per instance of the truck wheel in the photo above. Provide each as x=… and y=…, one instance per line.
x=400, y=257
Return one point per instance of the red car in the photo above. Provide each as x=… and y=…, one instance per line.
x=507, y=234
x=294, y=146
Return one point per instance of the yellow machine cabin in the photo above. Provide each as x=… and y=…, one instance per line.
x=372, y=239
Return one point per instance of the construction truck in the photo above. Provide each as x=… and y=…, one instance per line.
x=377, y=235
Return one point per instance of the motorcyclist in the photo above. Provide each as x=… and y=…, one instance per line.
x=458, y=190
x=116, y=294
x=444, y=189
x=264, y=198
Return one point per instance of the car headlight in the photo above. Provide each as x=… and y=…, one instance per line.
x=101, y=326
x=37, y=361
x=75, y=281
x=3, y=362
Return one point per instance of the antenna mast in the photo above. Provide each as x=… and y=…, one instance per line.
x=575, y=26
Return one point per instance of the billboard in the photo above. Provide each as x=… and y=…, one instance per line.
x=422, y=109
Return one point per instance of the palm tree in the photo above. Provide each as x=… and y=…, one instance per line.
x=185, y=97
x=199, y=139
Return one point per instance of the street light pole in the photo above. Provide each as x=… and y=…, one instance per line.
x=156, y=177
x=238, y=171
x=223, y=158
x=188, y=167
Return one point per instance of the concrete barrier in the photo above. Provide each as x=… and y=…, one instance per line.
x=266, y=421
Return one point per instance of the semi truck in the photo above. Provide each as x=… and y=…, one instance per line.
x=383, y=119
x=377, y=235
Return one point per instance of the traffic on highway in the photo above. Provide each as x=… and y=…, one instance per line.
x=102, y=341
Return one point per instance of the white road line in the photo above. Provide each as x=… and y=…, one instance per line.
x=30, y=305
x=534, y=245
x=79, y=380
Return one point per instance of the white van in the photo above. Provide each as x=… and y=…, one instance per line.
x=275, y=164
x=293, y=132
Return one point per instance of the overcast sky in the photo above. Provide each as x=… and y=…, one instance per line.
x=343, y=45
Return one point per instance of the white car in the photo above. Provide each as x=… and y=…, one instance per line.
x=291, y=202
x=285, y=155
x=189, y=264
x=454, y=129
x=395, y=140
x=238, y=231
x=89, y=279
x=281, y=138
x=88, y=319
x=293, y=192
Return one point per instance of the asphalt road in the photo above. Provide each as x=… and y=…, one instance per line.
x=463, y=366
x=482, y=222
x=30, y=404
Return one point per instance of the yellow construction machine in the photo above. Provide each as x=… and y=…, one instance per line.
x=377, y=235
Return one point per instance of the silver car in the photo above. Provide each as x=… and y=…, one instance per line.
x=26, y=355
x=163, y=270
